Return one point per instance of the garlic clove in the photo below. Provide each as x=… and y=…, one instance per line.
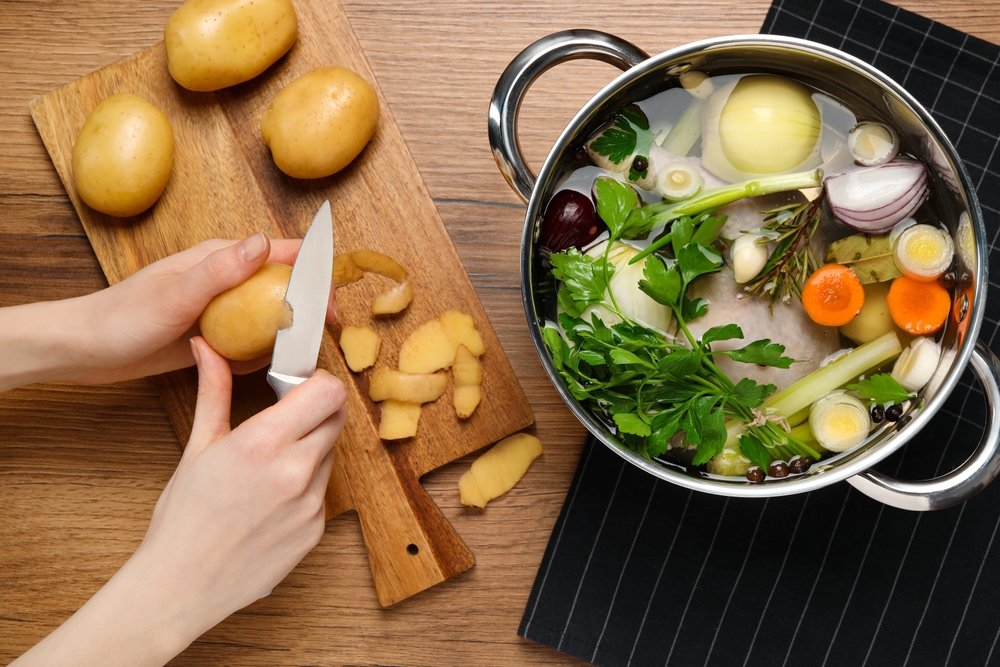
x=749, y=255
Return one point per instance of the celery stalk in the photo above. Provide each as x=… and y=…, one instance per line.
x=821, y=382
x=686, y=131
x=715, y=197
x=803, y=433
x=799, y=417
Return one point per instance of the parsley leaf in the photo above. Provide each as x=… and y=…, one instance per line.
x=632, y=423
x=615, y=201
x=753, y=449
x=693, y=309
x=697, y=260
x=628, y=134
x=762, y=352
x=725, y=332
x=750, y=394
x=583, y=279
x=680, y=234
x=663, y=285
x=881, y=388
x=680, y=364
x=713, y=436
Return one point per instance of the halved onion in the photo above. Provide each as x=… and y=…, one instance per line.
x=874, y=199
x=839, y=421
x=923, y=252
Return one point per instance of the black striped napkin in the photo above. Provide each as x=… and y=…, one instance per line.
x=640, y=572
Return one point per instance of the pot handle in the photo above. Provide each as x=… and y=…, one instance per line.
x=965, y=481
x=530, y=64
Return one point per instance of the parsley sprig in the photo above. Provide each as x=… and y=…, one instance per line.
x=641, y=383
x=881, y=389
x=629, y=134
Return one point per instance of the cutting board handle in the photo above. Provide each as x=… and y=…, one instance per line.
x=411, y=545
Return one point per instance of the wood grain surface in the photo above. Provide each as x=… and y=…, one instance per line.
x=225, y=185
x=81, y=467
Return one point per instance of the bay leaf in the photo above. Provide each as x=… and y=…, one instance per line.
x=868, y=255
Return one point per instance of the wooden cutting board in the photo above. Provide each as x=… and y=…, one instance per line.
x=225, y=185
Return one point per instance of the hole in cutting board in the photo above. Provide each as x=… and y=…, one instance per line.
x=413, y=549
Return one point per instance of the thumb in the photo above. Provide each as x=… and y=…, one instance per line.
x=224, y=268
x=215, y=390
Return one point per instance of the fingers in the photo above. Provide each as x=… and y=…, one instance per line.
x=224, y=268
x=301, y=411
x=215, y=389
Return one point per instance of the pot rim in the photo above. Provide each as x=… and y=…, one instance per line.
x=826, y=472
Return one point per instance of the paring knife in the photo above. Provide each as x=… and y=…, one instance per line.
x=296, y=348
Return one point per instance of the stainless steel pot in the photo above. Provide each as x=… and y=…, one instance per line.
x=852, y=81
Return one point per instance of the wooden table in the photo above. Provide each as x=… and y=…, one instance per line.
x=81, y=467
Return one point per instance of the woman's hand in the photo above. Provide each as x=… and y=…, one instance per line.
x=141, y=326
x=241, y=510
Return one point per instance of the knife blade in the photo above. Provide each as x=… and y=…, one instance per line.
x=296, y=348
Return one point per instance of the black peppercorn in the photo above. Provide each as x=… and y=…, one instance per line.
x=640, y=164
x=894, y=412
x=798, y=464
x=877, y=413
x=948, y=280
x=755, y=474
x=903, y=421
x=778, y=469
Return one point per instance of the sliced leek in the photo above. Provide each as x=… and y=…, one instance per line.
x=872, y=144
x=678, y=181
x=839, y=421
x=800, y=394
x=916, y=365
x=923, y=252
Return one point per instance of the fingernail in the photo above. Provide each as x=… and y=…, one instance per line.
x=194, y=352
x=253, y=247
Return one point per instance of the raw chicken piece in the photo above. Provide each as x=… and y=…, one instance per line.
x=790, y=326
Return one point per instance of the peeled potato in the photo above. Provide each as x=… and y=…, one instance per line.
x=212, y=44
x=123, y=156
x=320, y=122
x=241, y=323
x=498, y=470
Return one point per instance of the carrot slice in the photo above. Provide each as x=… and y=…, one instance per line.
x=918, y=308
x=833, y=295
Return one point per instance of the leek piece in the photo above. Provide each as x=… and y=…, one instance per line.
x=686, y=132
x=715, y=197
x=821, y=382
x=839, y=421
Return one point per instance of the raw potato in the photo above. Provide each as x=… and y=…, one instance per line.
x=426, y=350
x=399, y=420
x=468, y=374
x=345, y=271
x=240, y=324
x=212, y=44
x=461, y=330
x=375, y=262
x=388, y=383
x=874, y=319
x=498, y=470
x=320, y=122
x=360, y=346
x=394, y=300
x=123, y=156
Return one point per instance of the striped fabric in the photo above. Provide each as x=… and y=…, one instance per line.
x=639, y=572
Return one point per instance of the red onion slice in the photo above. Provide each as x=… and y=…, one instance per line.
x=873, y=199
